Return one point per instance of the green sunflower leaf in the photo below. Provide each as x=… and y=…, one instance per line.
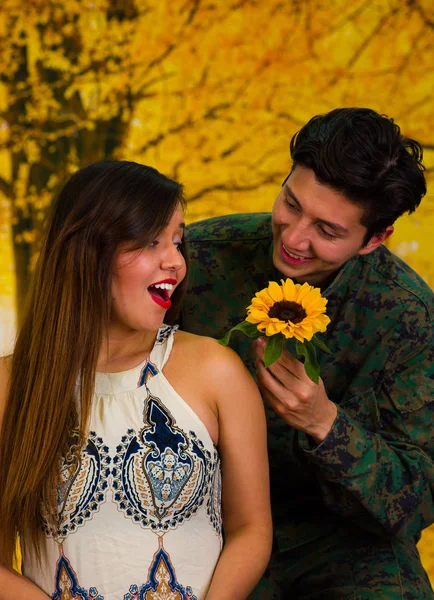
x=249, y=329
x=311, y=366
x=273, y=349
x=320, y=344
x=290, y=345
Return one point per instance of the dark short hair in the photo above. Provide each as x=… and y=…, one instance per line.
x=363, y=155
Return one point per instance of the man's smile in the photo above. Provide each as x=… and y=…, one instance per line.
x=292, y=257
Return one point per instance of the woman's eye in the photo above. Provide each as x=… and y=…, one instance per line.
x=153, y=244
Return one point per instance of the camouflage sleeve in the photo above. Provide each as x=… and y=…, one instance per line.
x=378, y=468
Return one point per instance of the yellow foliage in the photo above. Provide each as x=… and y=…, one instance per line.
x=208, y=93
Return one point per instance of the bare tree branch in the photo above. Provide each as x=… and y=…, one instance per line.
x=359, y=51
x=233, y=187
x=409, y=109
x=422, y=13
x=192, y=13
x=157, y=140
x=351, y=16
x=369, y=38
x=5, y=188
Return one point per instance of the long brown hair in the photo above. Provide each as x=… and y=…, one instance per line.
x=66, y=322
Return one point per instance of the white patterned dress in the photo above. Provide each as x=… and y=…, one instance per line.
x=140, y=515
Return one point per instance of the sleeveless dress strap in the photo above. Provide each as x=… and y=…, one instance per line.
x=163, y=346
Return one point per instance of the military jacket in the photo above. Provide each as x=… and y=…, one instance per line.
x=375, y=469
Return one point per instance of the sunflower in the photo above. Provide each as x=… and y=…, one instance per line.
x=292, y=309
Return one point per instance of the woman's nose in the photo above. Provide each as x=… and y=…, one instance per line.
x=173, y=260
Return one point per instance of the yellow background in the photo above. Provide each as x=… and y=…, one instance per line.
x=209, y=93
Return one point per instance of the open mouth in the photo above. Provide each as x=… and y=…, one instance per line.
x=159, y=293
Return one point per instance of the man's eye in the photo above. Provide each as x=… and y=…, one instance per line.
x=290, y=204
x=326, y=234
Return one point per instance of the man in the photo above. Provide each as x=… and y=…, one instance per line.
x=352, y=458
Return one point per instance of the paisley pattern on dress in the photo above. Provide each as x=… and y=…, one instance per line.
x=150, y=468
x=162, y=583
x=148, y=371
x=165, y=332
x=82, y=488
x=67, y=586
x=161, y=475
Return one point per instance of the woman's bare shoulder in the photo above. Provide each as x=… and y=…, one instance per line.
x=205, y=347
x=194, y=342
x=209, y=354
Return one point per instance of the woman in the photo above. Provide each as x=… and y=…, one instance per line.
x=114, y=423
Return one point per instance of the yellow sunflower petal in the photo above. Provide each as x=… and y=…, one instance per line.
x=307, y=296
x=261, y=326
x=264, y=297
x=258, y=305
x=312, y=305
x=275, y=326
x=291, y=332
x=302, y=291
x=301, y=338
x=304, y=332
x=321, y=323
x=289, y=290
x=275, y=291
x=306, y=326
x=256, y=316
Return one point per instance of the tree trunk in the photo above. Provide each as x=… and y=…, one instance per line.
x=22, y=256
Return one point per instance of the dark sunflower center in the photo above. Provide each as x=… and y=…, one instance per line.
x=287, y=311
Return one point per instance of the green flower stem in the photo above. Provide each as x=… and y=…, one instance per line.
x=245, y=327
x=274, y=347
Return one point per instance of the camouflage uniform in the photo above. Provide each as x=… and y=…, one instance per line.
x=348, y=512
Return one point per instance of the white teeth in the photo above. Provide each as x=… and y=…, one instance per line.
x=292, y=255
x=164, y=286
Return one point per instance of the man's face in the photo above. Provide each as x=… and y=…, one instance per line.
x=316, y=229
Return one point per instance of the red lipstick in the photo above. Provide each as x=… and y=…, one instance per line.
x=169, y=280
x=160, y=295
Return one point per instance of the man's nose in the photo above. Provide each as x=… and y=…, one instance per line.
x=296, y=236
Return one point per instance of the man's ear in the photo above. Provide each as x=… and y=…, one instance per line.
x=376, y=240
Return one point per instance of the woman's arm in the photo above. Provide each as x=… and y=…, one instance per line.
x=13, y=586
x=245, y=484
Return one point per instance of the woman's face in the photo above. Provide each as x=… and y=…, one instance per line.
x=145, y=279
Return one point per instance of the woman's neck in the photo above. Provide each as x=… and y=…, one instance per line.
x=124, y=351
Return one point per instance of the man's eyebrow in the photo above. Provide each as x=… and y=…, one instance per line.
x=335, y=226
